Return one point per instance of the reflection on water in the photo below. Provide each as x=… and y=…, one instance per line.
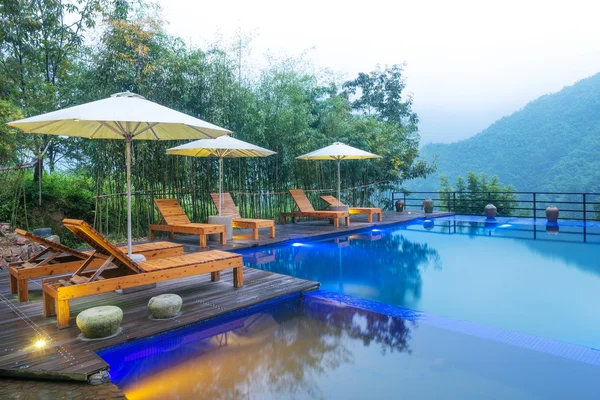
x=491, y=273
x=371, y=265
x=315, y=349
x=285, y=351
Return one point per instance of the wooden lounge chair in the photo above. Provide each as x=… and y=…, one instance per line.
x=128, y=273
x=60, y=259
x=229, y=208
x=305, y=209
x=369, y=211
x=177, y=222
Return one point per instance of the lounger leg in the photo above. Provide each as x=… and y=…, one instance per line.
x=370, y=217
x=282, y=219
x=49, y=305
x=380, y=217
x=215, y=276
x=336, y=222
x=23, y=289
x=13, y=284
x=224, y=238
x=294, y=220
x=202, y=240
x=151, y=235
x=238, y=277
x=255, y=233
x=172, y=235
x=63, y=313
x=272, y=232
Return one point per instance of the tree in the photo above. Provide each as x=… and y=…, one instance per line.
x=472, y=197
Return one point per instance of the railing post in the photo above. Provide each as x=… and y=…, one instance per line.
x=404, y=199
x=448, y=205
x=534, y=207
x=454, y=201
x=584, y=208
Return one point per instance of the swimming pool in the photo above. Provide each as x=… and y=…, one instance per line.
x=517, y=274
x=316, y=347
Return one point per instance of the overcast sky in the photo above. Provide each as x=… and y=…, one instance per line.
x=468, y=62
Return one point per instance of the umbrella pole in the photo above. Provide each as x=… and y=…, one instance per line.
x=338, y=196
x=128, y=158
x=220, y=184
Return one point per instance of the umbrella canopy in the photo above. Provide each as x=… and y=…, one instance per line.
x=338, y=151
x=122, y=116
x=221, y=147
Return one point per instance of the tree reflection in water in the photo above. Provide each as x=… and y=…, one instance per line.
x=377, y=267
x=288, y=351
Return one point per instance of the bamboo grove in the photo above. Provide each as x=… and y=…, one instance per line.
x=289, y=106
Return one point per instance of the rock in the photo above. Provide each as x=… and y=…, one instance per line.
x=99, y=322
x=552, y=214
x=54, y=238
x=428, y=206
x=3, y=263
x=21, y=241
x=99, y=378
x=490, y=211
x=165, y=306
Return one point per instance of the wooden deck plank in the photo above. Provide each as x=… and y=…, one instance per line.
x=69, y=357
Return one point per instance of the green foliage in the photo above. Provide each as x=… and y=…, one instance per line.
x=63, y=195
x=8, y=135
x=549, y=145
x=471, y=196
x=286, y=106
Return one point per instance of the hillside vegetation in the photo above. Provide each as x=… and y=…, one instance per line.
x=551, y=144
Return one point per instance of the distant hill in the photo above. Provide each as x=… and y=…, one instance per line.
x=552, y=144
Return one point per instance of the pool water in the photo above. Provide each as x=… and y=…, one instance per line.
x=315, y=348
x=515, y=274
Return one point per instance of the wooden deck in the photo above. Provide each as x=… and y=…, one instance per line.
x=242, y=238
x=69, y=357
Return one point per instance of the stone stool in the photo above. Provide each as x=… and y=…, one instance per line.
x=165, y=306
x=99, y=322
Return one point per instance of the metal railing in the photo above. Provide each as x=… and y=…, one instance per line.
x=572, y=205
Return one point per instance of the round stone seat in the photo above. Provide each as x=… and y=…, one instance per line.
x=99, y=322
x=165, y=306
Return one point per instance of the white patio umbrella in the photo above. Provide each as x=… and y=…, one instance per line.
x=122, y=116
x=221, y=147
x=338, y=151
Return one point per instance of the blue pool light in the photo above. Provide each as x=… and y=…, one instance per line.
x=375, y=230
x=297, y=244
x=505, y=226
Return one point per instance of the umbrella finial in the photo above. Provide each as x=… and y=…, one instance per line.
x=127, y=94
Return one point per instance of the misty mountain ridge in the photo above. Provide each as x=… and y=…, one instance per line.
x=551, y=144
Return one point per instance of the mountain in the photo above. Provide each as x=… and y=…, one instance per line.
x=552, y=144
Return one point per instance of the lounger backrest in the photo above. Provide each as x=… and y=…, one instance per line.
x=171, y=211
x=229, y=207
x=301, y=200
x=85, y=232
x=57, y=247
x=332, y=201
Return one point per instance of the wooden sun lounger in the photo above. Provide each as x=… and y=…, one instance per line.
x=58, y=291
x=229, y=208
x=177, y=222
x=369, y=211
x=305, y=209
x=60, y=259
